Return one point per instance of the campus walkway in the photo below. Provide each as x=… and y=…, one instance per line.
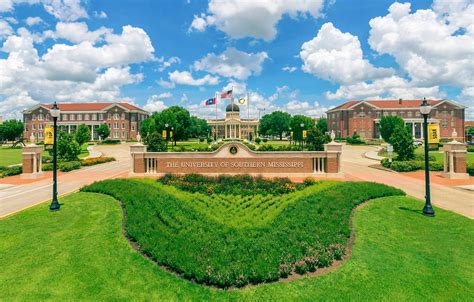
x=449, y=197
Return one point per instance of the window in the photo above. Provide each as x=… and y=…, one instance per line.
x=101, y=116
x=86, y=117
x=33, y=126
x=123, y=116
x=133, y=127
x=452, y=112
x=124, y=134
x=133, y=118
x=26, y=128
x=40, y=126
x=361, y=114
x=452, y=123
x=116, y=134
x=436, y=113
x=79, y=117
x=385, y=113
x=355, y=114
x=394, y=113
x=115, y=125
x=40, y=117
x=71, y=117
x=109, y=116
x=116, y=116
x=445, y=123
x=40, y=134
x=33, y=117
x=402, y=114
x=418, y=114
x=123, y=125
x=410, y=114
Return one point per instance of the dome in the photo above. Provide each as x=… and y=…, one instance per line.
x=232, y=107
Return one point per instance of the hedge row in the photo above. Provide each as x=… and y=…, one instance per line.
x=181, y=230
x=9, y=171
x=74, y=165
x=414, y=165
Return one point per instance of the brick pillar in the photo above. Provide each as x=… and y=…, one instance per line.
x=333, y=158
x=31, y=166
x=455, y=152
x=138, y=158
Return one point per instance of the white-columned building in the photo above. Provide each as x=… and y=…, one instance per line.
x=232, y=126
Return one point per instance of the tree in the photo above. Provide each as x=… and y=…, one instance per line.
x=388, y=124
x=322, y=125
x=83, y=134
x=103, y=131
x=275, y=123
x=176, y=117
x=402, y=142
x=11, y=130
x=68, y=148
x=149, y=125
x=316, y=139
x=198, y=127
x=155, y=142
x=295, y=125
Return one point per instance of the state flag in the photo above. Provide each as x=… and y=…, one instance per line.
x=211, y=101
x=242, y=101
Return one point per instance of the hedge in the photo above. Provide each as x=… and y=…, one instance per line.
x=10, y=171
x=110, y=142
x=234, y=240
x=411, y=165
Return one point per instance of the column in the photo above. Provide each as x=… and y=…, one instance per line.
x=413, y=129
x=451, y=162
x=225, y=131
x=422, y=135
x=68, y=129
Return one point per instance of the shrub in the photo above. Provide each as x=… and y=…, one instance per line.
x=355, y=139
x=209, y=140
x=97, y=160
x=10, y=171
x=470, y=149
x=155, y=142
x=412, y=165
x=258, y=140
x=402, y=142
x=201, y=139
x=69, y=166
x=264, y=139
x=83, y=134
x=388, y=124
x=234, y=240
x=103, y=131
x=68, y=149
x=110, y=142
x=470, y=169
x=316, y=139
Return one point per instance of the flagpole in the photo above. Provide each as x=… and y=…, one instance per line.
x=248, y=106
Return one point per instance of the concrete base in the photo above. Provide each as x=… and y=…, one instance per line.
x=32, y=175
x=455, y=175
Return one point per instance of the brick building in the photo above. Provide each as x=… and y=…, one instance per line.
x=123, y=119
x=363, y=117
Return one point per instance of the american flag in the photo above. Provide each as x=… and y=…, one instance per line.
x=226, y=94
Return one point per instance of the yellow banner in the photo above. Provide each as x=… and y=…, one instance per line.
x=305, y=133
x=164, y=133
x=48, y=135
x=171, y=134
x=433, y=133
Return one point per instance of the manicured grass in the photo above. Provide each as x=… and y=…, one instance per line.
x=295, y=232
x=187, y=145
x=9, y=156
x=439, y=155
x=80, y=253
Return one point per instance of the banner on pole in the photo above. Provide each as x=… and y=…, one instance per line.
x=433, y=133
x=164, y=134
x=305, y=133
x=49, y=135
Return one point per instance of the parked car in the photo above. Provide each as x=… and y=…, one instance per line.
x=418, y=143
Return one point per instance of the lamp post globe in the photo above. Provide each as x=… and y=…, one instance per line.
x=425, y=110
x=55, y=112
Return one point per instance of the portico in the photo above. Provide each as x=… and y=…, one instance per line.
x=232, y=126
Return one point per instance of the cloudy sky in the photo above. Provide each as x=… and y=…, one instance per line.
x=302, y=56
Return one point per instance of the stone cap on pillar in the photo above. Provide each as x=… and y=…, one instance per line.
x=33, y=149
x=138, y=148
x=333, y=147
x=454, y=146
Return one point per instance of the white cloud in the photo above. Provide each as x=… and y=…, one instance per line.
x=313, y=109
x=232, y=63
x=77, y=32
x=167, y=63
x=289, y=69
x=33, y=21
x=258, y=19
x=73, y=73
x=165, y=84
x=100, y=15
x=427, y=43
x=336, y=56
x=237, y=87
x=186, y=78
x=5, y=29
x=155, y=104
x=65, y=10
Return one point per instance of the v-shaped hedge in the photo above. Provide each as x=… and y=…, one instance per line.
x=227, y=240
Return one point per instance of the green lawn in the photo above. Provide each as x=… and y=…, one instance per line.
x=9, y=156
x=440, y=156
x=80, y=253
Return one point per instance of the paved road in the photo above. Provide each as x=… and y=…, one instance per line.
x=17, y=197
x=356, y=166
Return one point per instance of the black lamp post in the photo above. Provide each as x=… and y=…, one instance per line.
x=291, y=134
x=55, y=114
x=301, y=142
x=167, y=135
x=425, y=110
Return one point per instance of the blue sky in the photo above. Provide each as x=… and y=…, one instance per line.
x=297, y=56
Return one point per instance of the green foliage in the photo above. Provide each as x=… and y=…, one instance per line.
x=411, y=165
x=228, y=240
x=388, y=124
x=68, y=149
x=316, y=139
x=175, y=117
x=258, y=140
x=470, y=149
x=96, y=160
x=322, y=124
x=103, y=131
x=155, y=142
x=83, y=134
x=198, y=127
x=201, y=139
x=11, y=130
x=209, y=140
x=69, y=166
x=470, y=169
x=295, y=125
x=402, y=142
x=265, y=140
x=355, y=139
x=10, y=171
x=275, y=123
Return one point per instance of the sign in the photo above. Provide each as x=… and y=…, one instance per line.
x=49, y=135
x=305, y=133
x=164, y=134
x=171, y=134
x=291, y=133
x=433, y=133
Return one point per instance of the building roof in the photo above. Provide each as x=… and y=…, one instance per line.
x=89, y=106
x=469, y=123
x=232, y=108
x=390, y=104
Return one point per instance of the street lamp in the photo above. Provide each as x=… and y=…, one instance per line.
x=291, y=134
x=171, y=136
x=302, y=127
x=55, y=112
x=425, y=110
x=167, y=134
